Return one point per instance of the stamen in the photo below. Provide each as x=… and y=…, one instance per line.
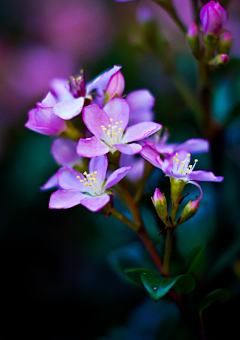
x=111, y=120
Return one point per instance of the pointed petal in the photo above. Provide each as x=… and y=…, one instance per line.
x=151, y=156
x=69, y=108
x=100, y=165
x=101, y=81
x=128, y=149
x=64, y=199
x=51, y=183
x=91, y=147
x=206, y=176
x=67, y=179
x=116, y=176
x=140, y=131
x=118, y=109
x=95, y=203
x=94, y=117
x=48, y=101
x=64, y=152
x=195, y=145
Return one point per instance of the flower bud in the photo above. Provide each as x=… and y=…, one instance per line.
x=219, y=60
x=225, y=42
x=160, y=204
x=189, y=211
x=115, y=86
x=193, y=39
x=213, y=18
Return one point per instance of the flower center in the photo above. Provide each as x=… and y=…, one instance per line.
x=183, y=167
x=77, y=85
x=112, y=133
x=90, y=183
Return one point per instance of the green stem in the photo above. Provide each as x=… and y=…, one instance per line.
x=112, y=211
x=167, y=255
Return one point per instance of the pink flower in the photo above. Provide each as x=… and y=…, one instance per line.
x=109, y=127
x=88, y=189
x=213, y=18
x=178, y=166
x=43, y=120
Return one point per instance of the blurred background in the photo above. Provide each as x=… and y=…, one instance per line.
x=59, y=268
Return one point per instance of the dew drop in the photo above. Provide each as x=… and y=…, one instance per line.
x=154, y=288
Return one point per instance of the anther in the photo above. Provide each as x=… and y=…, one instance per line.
x=121, y=121
x=111, y=120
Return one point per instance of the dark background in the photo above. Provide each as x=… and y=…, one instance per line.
x=57, y=267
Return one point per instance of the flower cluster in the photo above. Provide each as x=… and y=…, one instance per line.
x=112, y=125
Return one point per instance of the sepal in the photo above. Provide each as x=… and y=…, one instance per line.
x=189, y=211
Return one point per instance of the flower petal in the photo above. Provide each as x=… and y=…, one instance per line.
x=64, y=152
x=151, y=155
x=100, y=83
x=64, y=199
x=128, y=149
x=116, y=176
x=95, y=203
x=195, y=145
x=48, y=101
x=91, y=147
x=140, y=131
x=118, y=109
x=51, y=183
x=94, y=117
x=206, y=176
x=100, y=165
x=140, y=100
x=67, y=179
x=60, y=89
x=69, y=108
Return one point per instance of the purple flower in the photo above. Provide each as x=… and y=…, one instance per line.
x=178, y=166
x=194, y=145
x=43, y=120
x=213, y=18
x=71, y=95
x=64, y=153
x=108, y=125
x=88, y=189
x=138, y=166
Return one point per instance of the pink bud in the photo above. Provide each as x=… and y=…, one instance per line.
x=116, y=85
x=226, y=37
x=213, y=18
x=224, y=59
x=192, y=30
x=157, y=196
x=193, y=206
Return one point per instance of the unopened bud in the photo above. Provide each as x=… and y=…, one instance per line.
x=213, y=18
x=189, y=211
x=160, y=204
x=224, y=44
x=219, y=60
x=193, y=39
x=115, y=86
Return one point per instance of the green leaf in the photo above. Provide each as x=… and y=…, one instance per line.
x=158, y=286
x=214, y=296
x=134, y=275
x=193, y=258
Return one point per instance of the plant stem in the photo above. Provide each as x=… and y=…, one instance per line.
x=167, y=255
x=140, y=230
